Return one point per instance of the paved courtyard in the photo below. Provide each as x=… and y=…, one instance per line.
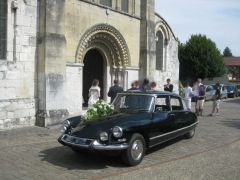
x=214, y=153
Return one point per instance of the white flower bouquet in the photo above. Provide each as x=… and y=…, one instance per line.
x=99, y=110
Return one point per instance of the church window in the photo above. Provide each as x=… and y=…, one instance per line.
x=106, y=3
x=124, y=5
x=3, y=28
x=159, y=50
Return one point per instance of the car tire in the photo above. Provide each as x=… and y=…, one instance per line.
x=136, y=150
x=190, y=134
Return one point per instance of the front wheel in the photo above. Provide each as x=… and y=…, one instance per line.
x=136, y=150
x=190, y=134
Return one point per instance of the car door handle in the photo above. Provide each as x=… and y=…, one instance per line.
x=171, y=115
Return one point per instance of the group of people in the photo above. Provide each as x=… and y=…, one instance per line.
x=147, y=86
x=94, y=91
x=198, y=94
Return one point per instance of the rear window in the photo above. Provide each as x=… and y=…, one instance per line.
x=162, y=103
x=176, y=103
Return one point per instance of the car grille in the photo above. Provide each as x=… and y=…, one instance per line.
x=77, y=140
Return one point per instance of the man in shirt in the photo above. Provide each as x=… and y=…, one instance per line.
x=114, y=90
x=188, y=95
x=168, y=86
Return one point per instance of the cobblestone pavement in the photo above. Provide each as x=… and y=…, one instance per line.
x=214, y=153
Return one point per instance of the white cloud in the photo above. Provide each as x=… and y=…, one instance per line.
x=218, y=19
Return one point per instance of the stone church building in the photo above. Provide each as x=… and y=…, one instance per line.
x=51, y=50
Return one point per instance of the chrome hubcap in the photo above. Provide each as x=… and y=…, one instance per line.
x=137, y=150
x=192, y=132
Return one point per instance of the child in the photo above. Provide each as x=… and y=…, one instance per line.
x=216, y=100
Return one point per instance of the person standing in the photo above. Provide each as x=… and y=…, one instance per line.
x=145, y=86
x=168, y=86
x=188, y=96
x=94, y=93
x=153, y=86
x=200, y=100
x=114, y=90
x=134, y=85
x=216, y=100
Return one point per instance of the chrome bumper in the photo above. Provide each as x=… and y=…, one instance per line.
x=94, y=144
x=98, y=146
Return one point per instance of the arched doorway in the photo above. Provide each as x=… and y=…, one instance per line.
x=93, y=69
x=104, y=54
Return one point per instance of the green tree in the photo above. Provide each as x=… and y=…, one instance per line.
x=227, y=52
x=200, y=58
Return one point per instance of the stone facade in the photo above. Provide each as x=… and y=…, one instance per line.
x=170, y=67
x=52, y=46
x=17, y=71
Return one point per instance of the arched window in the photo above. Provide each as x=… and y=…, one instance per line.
x=159, y=50
x=3, y=28
x=106, y=3
x=124, y=5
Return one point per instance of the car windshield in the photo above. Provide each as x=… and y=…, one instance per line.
x=133, y=103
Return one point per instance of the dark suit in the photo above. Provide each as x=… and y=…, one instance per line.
x=168, y=88
x=113, y=91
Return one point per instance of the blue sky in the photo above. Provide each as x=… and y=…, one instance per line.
x=219, y=20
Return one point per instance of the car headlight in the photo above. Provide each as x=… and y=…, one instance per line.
x=103, y=136
x=117, y=132
x=66, y=125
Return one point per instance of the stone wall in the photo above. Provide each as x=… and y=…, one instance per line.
x=171, y=62
x=73, y=88
x=17, y=71
x=80, y=16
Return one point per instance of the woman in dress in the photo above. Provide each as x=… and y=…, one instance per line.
x=94, y=93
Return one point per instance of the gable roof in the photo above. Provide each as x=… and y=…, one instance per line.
x=231, y=61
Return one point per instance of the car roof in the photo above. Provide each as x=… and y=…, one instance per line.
x=150, y=92
x=230, y=85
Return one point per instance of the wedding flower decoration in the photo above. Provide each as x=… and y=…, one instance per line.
x=99, y=110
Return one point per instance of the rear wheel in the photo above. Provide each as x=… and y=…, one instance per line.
x=136, y=150
x=190, y=134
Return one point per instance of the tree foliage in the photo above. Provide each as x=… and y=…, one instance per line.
x=227, y=52
x=200, y=58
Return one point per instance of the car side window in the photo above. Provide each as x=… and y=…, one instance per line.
x=162, y=103
x=176, y=104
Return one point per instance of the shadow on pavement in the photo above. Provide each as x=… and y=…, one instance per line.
x=236, y=101
x=232, y=123
x=66, y=158
x=163, y=145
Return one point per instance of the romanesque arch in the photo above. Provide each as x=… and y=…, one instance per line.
x=162, y=40
x=108, y=38
x=162, y=27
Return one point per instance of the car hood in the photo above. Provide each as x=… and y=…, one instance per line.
x=92, y=129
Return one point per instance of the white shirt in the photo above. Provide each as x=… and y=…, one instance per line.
x=187, y=92
x=196, y=89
